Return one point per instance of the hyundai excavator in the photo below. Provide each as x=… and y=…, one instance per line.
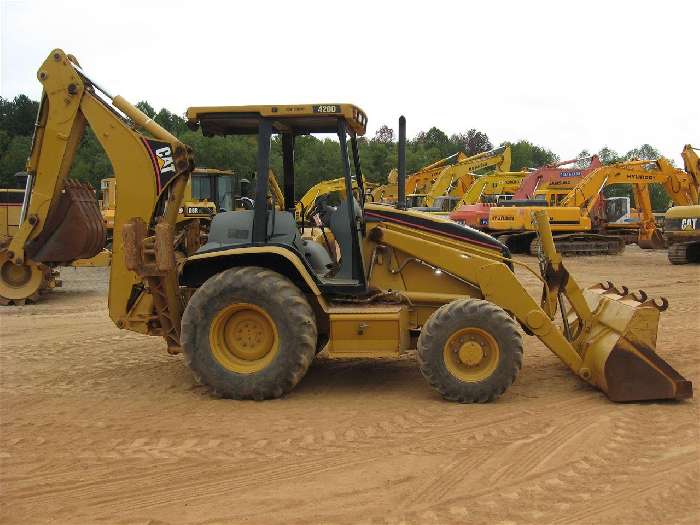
x=549, y=183
x=254, y=305
x=682, y=223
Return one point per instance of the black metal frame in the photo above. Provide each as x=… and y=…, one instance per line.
x=260, y=216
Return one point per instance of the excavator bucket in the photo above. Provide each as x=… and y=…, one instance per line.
x=619, y=349
x=654, y=240
x=74, y=227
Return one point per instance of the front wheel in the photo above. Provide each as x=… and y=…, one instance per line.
x=470, y=351
x=249, y=333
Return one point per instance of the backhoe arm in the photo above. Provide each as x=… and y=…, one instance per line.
x=151, y=170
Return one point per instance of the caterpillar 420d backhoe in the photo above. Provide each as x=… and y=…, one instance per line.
x=254, y=305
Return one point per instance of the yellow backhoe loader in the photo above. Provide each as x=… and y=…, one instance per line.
x=251, y=308
x=208, y=192
x=682, y=223
x=581, y=221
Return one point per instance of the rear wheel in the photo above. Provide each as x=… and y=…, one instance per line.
x=470, y=351
x=249, y=333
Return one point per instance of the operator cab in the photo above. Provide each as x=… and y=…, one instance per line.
x=217, y=186
x=272, y=223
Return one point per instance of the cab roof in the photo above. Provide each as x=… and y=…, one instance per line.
x=299, y=119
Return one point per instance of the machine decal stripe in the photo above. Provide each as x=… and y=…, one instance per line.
x=156, y=169
x=426, y=228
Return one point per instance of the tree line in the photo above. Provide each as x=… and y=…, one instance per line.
x=316, y=158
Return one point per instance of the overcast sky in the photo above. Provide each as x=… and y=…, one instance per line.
x=565, y=75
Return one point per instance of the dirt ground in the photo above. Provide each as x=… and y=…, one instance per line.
x=100, y=425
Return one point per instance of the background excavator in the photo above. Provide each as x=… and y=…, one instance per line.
x=450, y=183
x=416, y=183
x=494, y=187
x=251, y=308
x=550, y=183
x=306, y=205
x=682, y=223
x=581, y=221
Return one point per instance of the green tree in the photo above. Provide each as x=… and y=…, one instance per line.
x=524, y=154
x=14, y=159
x=17, y=116
x=472, y=142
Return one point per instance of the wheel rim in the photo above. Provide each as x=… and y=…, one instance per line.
x=243, y=338
x=471, y=354
x=19, y=281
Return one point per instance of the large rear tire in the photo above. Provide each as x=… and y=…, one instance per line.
x=470, y=351
x=249, y=333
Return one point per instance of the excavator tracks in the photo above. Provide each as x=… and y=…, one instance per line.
x=583, y=244
x=684, y=253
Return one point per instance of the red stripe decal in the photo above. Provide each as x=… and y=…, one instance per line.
x=155, y=164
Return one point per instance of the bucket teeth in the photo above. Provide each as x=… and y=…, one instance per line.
x=660, y=307
x=642, y=297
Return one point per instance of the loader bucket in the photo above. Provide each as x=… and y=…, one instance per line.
x=74, y=227
x=619, y=351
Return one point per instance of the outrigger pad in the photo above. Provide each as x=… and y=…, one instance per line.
x=74, y=227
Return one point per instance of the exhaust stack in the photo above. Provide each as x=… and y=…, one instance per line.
x=401, y=203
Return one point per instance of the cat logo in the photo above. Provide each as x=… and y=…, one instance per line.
x=688, y=224
x=164, y=156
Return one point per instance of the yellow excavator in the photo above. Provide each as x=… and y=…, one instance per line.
x=454, y=180
x=581, y=221
x=251, y=308
x=494, y=187
x=682, y=223
x=417, y=183
x=306, y=205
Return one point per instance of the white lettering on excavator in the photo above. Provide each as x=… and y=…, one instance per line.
x=688, y=224
x=165, y=160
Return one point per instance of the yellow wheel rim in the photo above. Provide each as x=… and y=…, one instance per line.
x=19, y=281
x=243, y=338
x=471, y=354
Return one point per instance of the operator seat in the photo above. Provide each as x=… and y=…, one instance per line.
x=338, y=224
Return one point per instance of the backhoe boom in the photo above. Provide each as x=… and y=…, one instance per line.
x=151, y=170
